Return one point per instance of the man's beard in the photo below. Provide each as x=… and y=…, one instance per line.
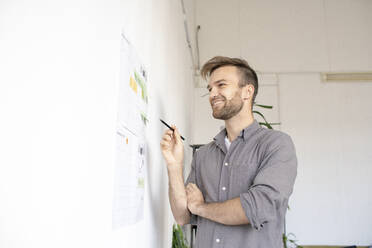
x=230, y=109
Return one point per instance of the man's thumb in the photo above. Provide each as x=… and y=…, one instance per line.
x=177, y=135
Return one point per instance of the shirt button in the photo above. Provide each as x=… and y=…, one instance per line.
x=218, y=240
x=223, y=188
x=226, y=164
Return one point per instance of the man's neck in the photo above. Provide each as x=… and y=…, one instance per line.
x=237, y=123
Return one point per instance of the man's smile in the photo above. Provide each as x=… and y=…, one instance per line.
x=217, y=102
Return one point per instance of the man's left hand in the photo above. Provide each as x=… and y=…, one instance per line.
x=195, y=198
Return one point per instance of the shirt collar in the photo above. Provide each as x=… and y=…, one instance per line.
x=247, y=132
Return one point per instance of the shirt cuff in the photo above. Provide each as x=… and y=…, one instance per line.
x=245, y=200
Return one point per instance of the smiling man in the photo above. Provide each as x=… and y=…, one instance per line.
x=238, y=189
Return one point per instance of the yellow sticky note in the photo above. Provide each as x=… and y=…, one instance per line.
x=133, y=84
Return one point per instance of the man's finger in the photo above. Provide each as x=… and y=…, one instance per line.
x=169, y=132
x=166, y=132
x=165, y=141
x=193, y=186
x=164, y=144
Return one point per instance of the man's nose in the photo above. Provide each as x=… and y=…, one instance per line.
x=213, y=93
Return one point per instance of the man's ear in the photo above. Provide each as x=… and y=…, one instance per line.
x=247, y=91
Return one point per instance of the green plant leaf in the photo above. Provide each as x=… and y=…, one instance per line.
x=263, y=106
x=178, y=239
x=260, y=114
x=266, y=125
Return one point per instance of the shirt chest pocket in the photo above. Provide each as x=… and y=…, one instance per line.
x=242, y=176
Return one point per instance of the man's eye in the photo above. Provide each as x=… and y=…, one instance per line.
x=221, y=85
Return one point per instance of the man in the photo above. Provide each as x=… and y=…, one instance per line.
x=238, y=188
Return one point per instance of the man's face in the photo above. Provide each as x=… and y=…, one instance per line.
x=225, y=93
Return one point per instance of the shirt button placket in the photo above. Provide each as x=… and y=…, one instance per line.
x=224, y=181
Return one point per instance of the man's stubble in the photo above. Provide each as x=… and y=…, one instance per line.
x=230, y=109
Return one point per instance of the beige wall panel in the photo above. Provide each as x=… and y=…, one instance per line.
x=219, y=33
x=349, y=25
x=284, y=35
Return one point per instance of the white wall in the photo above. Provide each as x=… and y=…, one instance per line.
x=330, y=124
x=59, y=76
x=290, y=42
x=288, y=35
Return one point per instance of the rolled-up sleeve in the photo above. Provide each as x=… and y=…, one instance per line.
x=273, y=183
x=192, y=179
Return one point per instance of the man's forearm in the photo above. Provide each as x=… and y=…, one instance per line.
x=229, y=212
x=177, y=196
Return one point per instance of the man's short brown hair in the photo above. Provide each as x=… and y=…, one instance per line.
x=247, y=74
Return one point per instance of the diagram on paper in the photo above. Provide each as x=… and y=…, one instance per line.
x=130, y=139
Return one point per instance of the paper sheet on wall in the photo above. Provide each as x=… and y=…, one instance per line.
x=130, y=139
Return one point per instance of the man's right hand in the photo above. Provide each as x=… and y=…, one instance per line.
x=172, y=148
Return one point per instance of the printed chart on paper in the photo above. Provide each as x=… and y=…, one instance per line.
x=130, y=139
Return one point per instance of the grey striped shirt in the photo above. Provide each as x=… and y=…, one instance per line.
x=260, y=167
